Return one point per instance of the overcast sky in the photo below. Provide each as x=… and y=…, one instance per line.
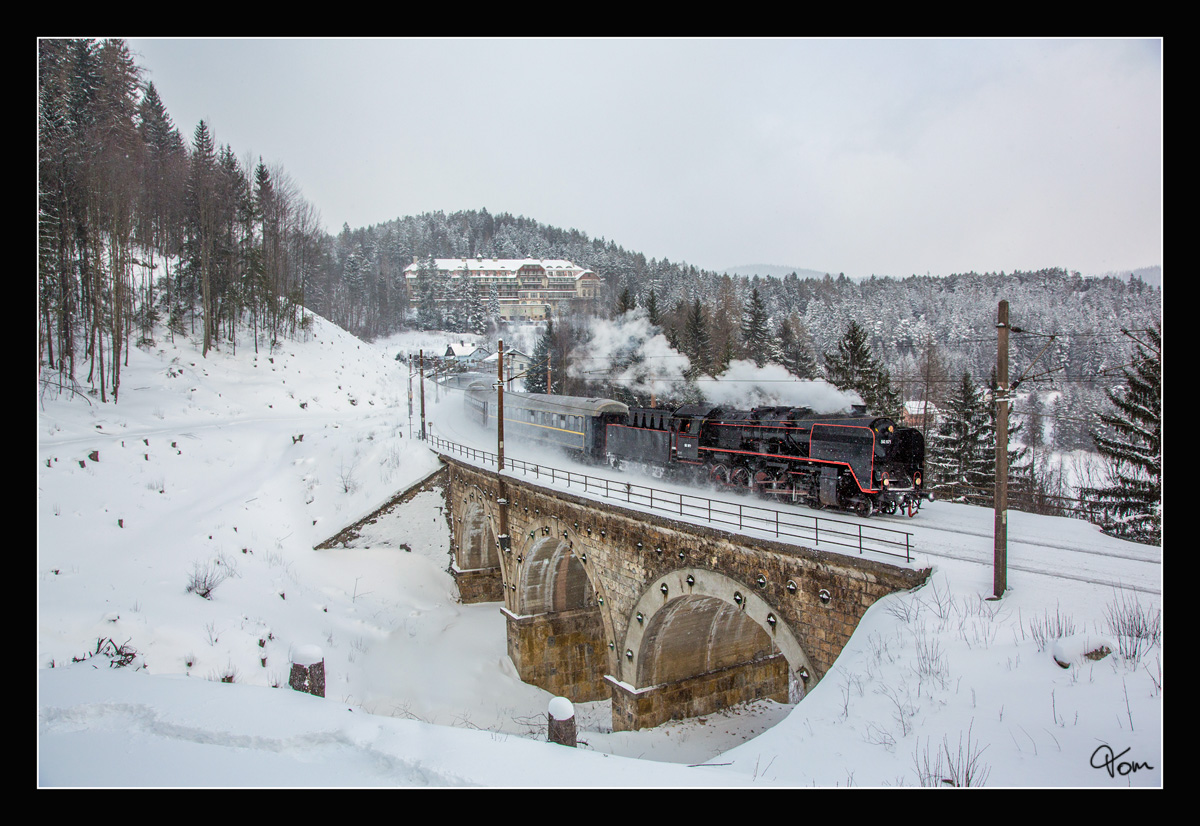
x=885, y=157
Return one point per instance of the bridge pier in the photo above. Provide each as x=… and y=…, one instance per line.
x=638, y=708
x=562, y=652
x=479, y=584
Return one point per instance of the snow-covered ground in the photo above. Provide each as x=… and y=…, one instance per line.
x=236, y=466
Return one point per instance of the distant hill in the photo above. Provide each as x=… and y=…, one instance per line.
x=773, y=271
x=1151, y=275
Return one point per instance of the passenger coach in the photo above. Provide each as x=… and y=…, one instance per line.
x=569, y=422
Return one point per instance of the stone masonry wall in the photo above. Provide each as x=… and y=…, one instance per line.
x=705, y=694
x=821, y=596
x=562, y=653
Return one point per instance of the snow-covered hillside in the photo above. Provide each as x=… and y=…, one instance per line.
x=232, y=468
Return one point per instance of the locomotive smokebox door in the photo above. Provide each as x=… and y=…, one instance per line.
x=829, y=485
x=687, y=447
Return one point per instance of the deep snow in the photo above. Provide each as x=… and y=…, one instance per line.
x=238, y=465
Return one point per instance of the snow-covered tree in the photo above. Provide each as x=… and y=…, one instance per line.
x=961, y=451
x=795, y=353
x=852, y=367
x=1130, y=440
x=756, y=332
x=535, y=380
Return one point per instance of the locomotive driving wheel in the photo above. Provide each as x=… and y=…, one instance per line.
x=765, y=480
x=719, y=473
x=740, y=477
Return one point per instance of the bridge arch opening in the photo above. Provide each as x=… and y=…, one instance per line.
x=553, y=579
x=694, y=635
x=476, y=545
x=698, y=641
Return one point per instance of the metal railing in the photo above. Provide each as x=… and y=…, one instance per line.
x=782, y=524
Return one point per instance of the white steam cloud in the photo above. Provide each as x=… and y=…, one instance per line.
x=629, y=352
x=744, y=385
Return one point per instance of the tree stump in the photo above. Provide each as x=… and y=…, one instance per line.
x=561, y=722
x=308, y=671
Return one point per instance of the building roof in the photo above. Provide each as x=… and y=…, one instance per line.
x=917, y=408
x=517, y=354
x=507, y=266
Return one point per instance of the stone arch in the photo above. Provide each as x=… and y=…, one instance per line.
x=552, y=578
x=727, y=620
x=475, y=546
x=693, y=635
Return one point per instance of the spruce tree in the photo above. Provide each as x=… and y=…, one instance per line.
x=652, y=314
x=794, y=351
x=429, y=313
x=960, y=452
x=535, y=379
x=1130, y=440
x=697, y=341
x=852, y=367
x=756, y=334
x=626, y=302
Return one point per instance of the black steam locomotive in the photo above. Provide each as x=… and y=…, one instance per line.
x=853, y=461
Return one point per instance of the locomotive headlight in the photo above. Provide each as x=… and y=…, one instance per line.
x=884, y=478
x=916, y=480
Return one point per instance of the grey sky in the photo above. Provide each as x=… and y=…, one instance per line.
x=886, y=157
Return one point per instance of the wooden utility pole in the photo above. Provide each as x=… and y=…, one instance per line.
x=502, y=499
x=500, y=407
x=421, y=355
x=1000, y=548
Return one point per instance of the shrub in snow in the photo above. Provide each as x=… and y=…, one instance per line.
x=205, y=578
x=1137, y=629
x=118, y=656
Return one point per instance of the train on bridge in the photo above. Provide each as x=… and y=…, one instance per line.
x=852, y=461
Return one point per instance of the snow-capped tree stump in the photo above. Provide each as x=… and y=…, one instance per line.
x=308, y=670
x=561, y=719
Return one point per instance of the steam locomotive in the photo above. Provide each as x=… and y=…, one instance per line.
x=853, y=461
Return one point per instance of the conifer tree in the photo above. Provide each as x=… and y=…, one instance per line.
x=795, y=354
x=201, y=242
x=429, y=314
x=852, y=367
x=957, y=460
x=697, y=341
x=756, y=335
x=535, y=379
x=493, y=305
x=652, y=313
x=1130, y=440
x=626, y=302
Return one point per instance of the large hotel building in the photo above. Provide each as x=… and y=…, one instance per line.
x=529, y=289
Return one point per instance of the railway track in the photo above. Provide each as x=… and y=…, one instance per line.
x=1066, y=560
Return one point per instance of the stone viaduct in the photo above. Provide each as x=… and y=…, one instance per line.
x=667, y=618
